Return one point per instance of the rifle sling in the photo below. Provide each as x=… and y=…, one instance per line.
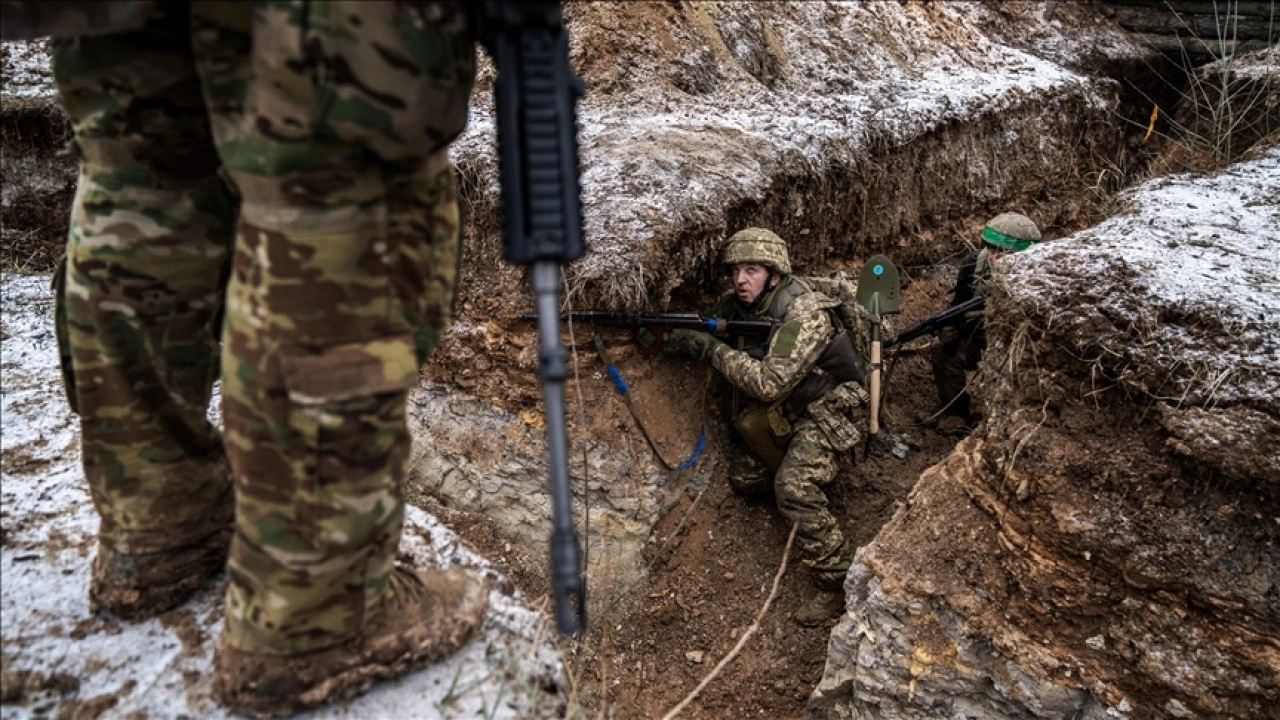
x=626, y=399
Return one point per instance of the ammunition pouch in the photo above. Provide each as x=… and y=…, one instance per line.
x=834, y=413
x=765, y=431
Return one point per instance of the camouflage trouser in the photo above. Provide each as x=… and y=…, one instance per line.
x=810, y=464
x=331, y=122
x=950, y=363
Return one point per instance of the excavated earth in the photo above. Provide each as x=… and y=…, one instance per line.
x=1102, y=546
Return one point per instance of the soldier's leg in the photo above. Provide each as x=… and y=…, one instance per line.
x=747, y=475
x=343, y=275
x=950, y=362
x=809, y=464
x=137, y=302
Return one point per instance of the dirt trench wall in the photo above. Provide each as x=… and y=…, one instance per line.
x=491, y=462
x=1106, y=545
x=850, y=128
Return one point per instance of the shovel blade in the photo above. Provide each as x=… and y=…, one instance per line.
x=878, y=287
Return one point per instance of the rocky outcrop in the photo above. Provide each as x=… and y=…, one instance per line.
x=1106, y=544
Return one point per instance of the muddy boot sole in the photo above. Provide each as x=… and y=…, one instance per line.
x=136, y=587
x=405, y=634
x=820, y=609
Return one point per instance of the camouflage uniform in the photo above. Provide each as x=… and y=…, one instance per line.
x=959, y=348
x=800, y=397
x=289, y=157
x=953, y=357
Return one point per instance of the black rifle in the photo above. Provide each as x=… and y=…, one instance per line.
x=535, y=98
x=934, y=323
x=670, y=321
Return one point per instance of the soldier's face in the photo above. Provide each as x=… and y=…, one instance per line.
x=749, y=280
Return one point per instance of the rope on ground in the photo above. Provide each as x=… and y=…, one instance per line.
x=755, y=625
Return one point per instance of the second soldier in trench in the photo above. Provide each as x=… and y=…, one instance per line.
x=798, y=406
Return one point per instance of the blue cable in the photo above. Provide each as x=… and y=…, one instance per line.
x=618, y=382
x=697, y=450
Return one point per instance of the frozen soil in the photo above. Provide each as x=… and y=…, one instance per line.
x=851, y=128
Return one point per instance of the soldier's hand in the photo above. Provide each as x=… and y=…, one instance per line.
x=649, y=339
x=948, y=335
x=693, y=343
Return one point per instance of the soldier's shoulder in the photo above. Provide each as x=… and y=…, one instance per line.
x=817, y=295
x=809, y=307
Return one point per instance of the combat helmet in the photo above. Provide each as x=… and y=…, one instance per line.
x=757, y=245
x=1011, y=231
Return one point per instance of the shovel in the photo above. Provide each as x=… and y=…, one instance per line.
x=880, y=294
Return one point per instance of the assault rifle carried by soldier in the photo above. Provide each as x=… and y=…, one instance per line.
x=659, y=323
x=934, y=324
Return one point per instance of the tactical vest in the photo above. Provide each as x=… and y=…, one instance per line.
x=982, y=272
x=839, y=363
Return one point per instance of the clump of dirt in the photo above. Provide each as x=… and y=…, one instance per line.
x=55, y=692
x=39, y=182
x=38, y=176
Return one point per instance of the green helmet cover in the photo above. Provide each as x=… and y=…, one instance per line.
x=1011, y=231
x=760, y=246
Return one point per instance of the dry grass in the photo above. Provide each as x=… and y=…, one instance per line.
x=39, y=182
x=1227, y=106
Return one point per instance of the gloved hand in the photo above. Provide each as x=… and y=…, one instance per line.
x=694, y=343
x=649, y=339
x=948, y=334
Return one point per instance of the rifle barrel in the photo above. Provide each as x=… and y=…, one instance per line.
x=667, y=321
x=937, y=321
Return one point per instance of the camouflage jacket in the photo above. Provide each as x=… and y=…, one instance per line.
x=807, y=356
x=30, y=19
x=975, y=275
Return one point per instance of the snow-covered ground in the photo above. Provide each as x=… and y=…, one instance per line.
x=655, y=158
x=1193, y=262
x=59, y=660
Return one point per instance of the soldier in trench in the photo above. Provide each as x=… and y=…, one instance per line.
x=798, y=402
x=289, y=157
x=959, y=346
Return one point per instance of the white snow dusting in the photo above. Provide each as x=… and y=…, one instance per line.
x=1183, y=287
x=658, y=160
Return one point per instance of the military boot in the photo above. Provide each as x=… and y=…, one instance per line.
x=821, y=607
x=955, y=426
x=423, y=616
x=139, y=586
